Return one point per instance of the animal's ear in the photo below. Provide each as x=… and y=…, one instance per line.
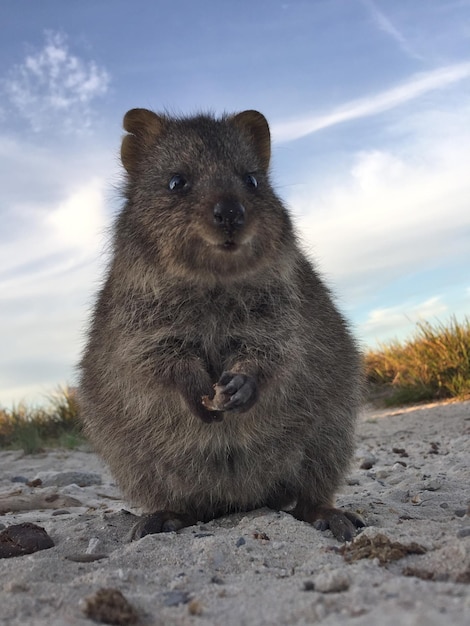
x=143, y=127
x=255, y=125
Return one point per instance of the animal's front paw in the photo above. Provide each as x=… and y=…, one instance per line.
x=236, y=392
x=241, y=391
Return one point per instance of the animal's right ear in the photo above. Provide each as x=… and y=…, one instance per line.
x=143, y=127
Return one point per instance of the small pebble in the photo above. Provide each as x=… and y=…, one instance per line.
x=109, y=606
x=94, y=546
x=19, y=479
x=217, y=580
x=384, y=473
x=434, y=447
x=460, y=512
x=195, y=608
x=309, y=585
x=240, y=542
x=463, y=532
x=61, y=479
x=20, y=539
x=401, y=451
x=60, y=512
x=432, y=485
x=396, y=479
x=331, y=582
x=36, y=482
x=175, y=597
x=261, y=536
x=367, y=459
x=352, y=480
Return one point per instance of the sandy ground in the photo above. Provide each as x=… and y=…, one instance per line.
x=259, y=568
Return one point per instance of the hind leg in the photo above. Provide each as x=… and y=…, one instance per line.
x=160, y=522
x=343, y=524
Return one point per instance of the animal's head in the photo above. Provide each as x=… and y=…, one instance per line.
x=199, y=191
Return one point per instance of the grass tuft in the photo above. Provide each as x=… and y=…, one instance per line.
x=433, y=365
x=34, y=428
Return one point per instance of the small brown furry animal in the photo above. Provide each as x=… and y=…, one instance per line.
x=207, y=285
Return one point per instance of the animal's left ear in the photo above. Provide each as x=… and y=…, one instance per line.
x=254, y=124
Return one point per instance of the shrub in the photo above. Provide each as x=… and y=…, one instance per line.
x=433, y=365
x=33, y=428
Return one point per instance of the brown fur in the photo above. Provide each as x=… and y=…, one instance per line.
x=189, y=295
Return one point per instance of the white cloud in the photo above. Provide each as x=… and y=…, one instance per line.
x=51, y=260
x=52, y=254
x=386, y=25
x=383, y=322
x=54, y=87
x=399, y=212
x=375, y=168
x=79, y=221
x=395, y=213
x=54, y=208
x=417, y=86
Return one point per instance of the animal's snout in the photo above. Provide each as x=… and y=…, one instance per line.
x=229, y=214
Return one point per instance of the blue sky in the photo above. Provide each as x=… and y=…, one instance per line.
x=369, y=107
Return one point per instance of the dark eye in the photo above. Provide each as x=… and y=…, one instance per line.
x=177, y=182
x=250, y=181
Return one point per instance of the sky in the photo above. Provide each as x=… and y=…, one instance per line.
x=369, y=107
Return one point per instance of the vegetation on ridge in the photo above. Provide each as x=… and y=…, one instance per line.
x=35, y=428
x=434, y=364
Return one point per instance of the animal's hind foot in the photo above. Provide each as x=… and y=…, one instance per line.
x=160, y=522
x=343, y=524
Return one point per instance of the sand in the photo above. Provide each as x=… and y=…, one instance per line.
x=410, y=480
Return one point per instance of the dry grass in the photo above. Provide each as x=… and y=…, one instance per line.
x=35, y=428
x=433, y=365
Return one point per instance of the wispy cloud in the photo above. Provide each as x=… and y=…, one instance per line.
x=389, y=321
x=417, y=86
x=56, y=210
x=385, y=24
x=55, y=245
x=398, y=213
x=392, y=216
x=45, y=293
x=54, y=87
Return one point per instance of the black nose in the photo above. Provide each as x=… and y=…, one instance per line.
x=229, y=214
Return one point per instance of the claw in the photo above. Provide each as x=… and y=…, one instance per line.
x=159, y=522
x=241, y=389
x=343, y=524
